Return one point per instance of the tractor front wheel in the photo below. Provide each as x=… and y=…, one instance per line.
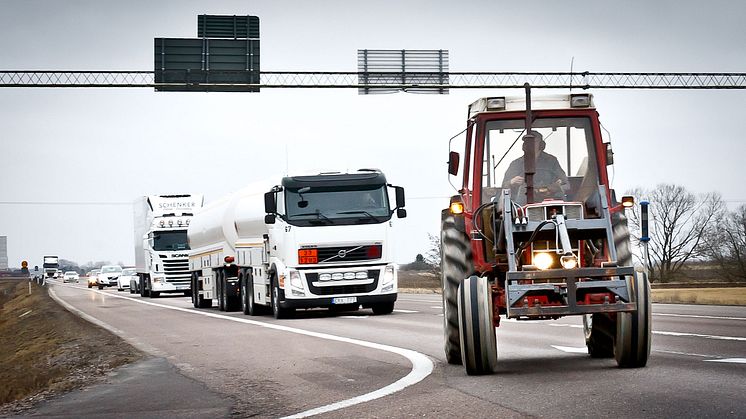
x=478, y=340
x=633, y=330
x=599, y=331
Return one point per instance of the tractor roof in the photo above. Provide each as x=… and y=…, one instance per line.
x=518, y=103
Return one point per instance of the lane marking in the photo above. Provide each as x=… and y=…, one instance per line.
x=698, y=316
x=697, y=335
x=571, y=349
x=728, y=360
x=684, y=353
x=438, y=307
x=405, y=311
x=419, y=301
x=422, y=365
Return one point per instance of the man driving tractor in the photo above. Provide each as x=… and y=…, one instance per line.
x=550, y=181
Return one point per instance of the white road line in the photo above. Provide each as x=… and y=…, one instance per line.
x=728, y=360
x=418, y=301
x=697, y=316
x=684, y=353
x=571, y=349
x=405, y=311
x=422, y=366
x=697, y=335
x=438, y=307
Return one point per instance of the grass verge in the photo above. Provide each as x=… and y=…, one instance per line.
x=46, y=350
x=716, y=296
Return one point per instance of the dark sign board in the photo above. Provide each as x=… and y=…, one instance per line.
x=187, y=64
x=213, y=26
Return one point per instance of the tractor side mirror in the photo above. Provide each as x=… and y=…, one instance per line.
x=270, y=205
x=453, y=161
x=609, y=154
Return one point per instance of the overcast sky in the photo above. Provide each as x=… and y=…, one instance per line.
x=113, y=145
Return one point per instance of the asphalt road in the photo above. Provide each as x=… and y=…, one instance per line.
x=268, y=368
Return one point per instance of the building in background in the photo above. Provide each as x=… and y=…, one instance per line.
x=3, y=253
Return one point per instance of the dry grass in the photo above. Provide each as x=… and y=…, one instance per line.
x=45, y=348
x=719, y=296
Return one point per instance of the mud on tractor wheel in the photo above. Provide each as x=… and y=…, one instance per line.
x=455, y=265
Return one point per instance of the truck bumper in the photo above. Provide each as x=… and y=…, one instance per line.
x=169, y=287
x=364, y=300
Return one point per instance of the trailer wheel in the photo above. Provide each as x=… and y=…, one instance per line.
x=632, y=343
x=455, y=257
x=478, y=340
x=383, y=308
x=247, y=294
x=599, y=331
x=195, y=291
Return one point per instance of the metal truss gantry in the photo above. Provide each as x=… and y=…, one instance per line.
x=426, y=82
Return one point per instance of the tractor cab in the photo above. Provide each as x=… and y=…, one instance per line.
x=535, y=232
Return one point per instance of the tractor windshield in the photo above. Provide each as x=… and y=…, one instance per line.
x=565, y=159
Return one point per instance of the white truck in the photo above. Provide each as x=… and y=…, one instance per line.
x=161, y=248
x=51, y=265
x=310, y=241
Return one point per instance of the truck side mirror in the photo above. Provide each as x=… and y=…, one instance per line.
x=270, y=205
x=401, y=213
x=453, y=161
x=269, y=219
x=609, y=154
x=399, y=196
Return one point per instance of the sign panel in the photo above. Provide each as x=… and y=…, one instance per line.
x=422, y=71
x=183, y=64
x=215, y=26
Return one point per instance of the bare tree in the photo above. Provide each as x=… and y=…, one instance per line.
x=679, y=224
x=432, y=256
x=726, y=245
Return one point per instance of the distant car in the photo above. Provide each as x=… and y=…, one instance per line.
x=59, y=275
x=93, y=277
x=125, y=280
x=108, y=276
x=70, y=276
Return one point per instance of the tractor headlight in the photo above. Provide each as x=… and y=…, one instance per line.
x=543, y=260
x=569, y=262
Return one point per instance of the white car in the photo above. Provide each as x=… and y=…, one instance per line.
x=124, y=279
x=108, y=276
x=70, y=276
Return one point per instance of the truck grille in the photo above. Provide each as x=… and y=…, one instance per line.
x=339, y=254
x=343, y=289
x=176, y=270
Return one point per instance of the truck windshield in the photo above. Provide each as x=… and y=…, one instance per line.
x=337, y=206
x=170, y=240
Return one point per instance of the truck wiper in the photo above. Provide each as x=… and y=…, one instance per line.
x=378, y=220
x=317, y=213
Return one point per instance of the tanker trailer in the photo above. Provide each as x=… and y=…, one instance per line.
x=308, y=241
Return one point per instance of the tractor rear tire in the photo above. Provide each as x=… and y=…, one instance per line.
x=620, y=232
x=633, y=330
x=599, y=331
x=478, y=340
x=455, y=266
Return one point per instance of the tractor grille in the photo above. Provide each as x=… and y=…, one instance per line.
x=341, y=288
x=571, y=212
x=176, y=270
x=339, y=254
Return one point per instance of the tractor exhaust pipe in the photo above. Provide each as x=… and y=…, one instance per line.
x=529, y=148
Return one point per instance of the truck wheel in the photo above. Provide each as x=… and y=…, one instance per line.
x=221, y=290
x=277, y=311
x=154, y=294
x=599, y=331
x=100, y=287
x=455, y=265
x=478, y=340
x=632, y=343
x=143, y=290
x=90, y=286
x=247, y=295
x=383, y=308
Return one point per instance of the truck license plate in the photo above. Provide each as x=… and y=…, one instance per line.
x=344, y=300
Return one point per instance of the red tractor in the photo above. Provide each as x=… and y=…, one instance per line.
x=536, y=233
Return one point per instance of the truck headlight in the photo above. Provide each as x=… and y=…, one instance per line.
x=388, y=275
x=295, y=280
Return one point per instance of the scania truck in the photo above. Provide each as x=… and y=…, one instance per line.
x=51, y=266
x=306, y=241
x=161, y=248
